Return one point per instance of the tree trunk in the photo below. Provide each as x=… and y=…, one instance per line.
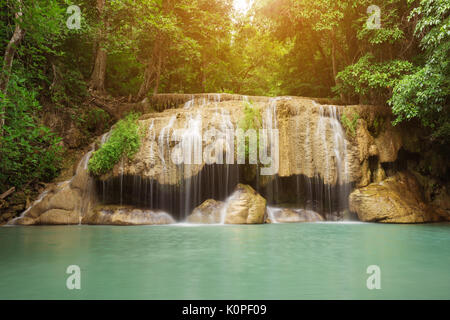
x=333, y=57
x=158, y=74
x=8, y=59
x=11, y=49
x=98, y=74
x=334, y=64
x=203, y=76
x=152, y=71
x=148, y=79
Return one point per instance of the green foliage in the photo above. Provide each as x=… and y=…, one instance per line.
x=252, y=119
x=350, y=125
x=372, y=81
x=124, y=141
x=96, y=119
x=376, y=126
x=29, y=151
x=424, y=94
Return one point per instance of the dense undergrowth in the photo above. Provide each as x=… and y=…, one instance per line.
x=124, y=140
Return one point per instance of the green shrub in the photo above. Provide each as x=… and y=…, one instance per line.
x=124, y=141
x=376, y=126
x=29, y=151
x=252, y=119
x=350, y=125
x=96, y=119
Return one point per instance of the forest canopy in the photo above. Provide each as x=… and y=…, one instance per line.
x=55, y=52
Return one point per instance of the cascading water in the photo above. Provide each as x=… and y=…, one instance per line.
x=325, y=191
x=269, y=123
x=323, y=137
x=334, y=164
x=184, y=172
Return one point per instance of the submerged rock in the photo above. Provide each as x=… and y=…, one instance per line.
x=124, y=216
x=294, y=215
x=398, y=199
x=209, y=211
x=245, y=206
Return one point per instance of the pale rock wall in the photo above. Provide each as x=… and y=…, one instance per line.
x=308, y=136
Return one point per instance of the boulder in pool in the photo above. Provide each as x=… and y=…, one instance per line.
x=294, y=215
x=397, y=199
x=124, y=216
x=210, y=211
x=245, y=206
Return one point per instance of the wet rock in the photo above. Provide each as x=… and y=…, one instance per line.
x=66, y=199
x=62, y=203
x=209, y=211
x=379, y=174
x=58, y=217
x=245, y=206
x=294, y=215
x=364, y=140
x=334, y=216
x=25, y=221
x=124, y=216
x=50, y=217
x=397, y=199
x=388, y=142
x=365, y=174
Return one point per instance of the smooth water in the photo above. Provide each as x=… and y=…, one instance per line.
x=280, y=261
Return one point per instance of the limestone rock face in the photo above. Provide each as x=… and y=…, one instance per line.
x=311, y=141
x=124, y=216
x=294, y=215
x=365, y=141
x=245, y=206
x=59, y=217
x=51, y=217
x=396, y=199
x=209, y=211
x=388, y=142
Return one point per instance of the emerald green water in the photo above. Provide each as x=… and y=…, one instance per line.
x=281, y=261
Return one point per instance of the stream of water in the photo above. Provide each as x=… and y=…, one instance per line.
x=182, y=261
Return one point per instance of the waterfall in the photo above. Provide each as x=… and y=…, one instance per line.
x=86, y=192
x=164, y=137
x=189, y=103
x=35, y=203
x=187, y=179
x=335, y=163
x=269, y=123
x=179, y=167
x=271, y=214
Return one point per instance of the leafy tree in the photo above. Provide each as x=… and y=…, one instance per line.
x=425, y=93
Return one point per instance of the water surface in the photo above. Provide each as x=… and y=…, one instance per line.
x=280, y=261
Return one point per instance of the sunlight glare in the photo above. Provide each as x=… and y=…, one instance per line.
x=242, y=6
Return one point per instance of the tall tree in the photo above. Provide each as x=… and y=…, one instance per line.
x=8, y=57
x=98, y=75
